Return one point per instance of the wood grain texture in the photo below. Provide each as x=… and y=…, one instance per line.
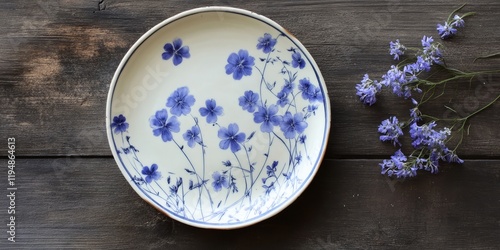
x=88, y=204
x=57, y=60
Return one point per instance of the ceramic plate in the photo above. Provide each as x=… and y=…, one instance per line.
x=218, y=117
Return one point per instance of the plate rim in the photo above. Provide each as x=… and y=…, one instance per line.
x=248, y=14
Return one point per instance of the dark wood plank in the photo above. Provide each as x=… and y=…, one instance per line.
x=57, y=63
x=86, y=203
x=58, y=58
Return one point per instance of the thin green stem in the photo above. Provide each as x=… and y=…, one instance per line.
x=487, y=56
x=454, y=11
x=459, y=76
x=481, y=109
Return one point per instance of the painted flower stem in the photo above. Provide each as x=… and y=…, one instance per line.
x=202, y=145
x=251, y=169
x=284, y=143
x=197, y=175
x=262, y=78
x=266, y=158
x=243, y=175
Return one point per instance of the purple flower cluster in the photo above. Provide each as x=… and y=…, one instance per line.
x=430, y=148
x=367, y=90
x=396, y=49
x=391, y=130
x=401, y=79
x=398, y=166
x=449, y=28
x=428, y=142
x=431, y=53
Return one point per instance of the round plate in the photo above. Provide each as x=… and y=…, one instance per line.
x=218, y=117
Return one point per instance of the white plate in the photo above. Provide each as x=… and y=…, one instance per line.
x=218, y=117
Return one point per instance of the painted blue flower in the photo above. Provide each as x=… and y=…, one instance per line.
x=302, y=139
x=271, y=169
x=266, y=43
x=175, y=50
x=304, y=86
x=230, y=137
x=292, y=124
x=282, y=99
x=180, y=101
x=119, y=125
x=288, y=87
x=162, y=127
x=249, y=101
x=175, y=187
x=269, y=188
x=239, y=64
x=268, y=118
x=297, y=60
x=219, y=182
x=309, y=91
x=192, y=136
x=398, y=80
x=312, y=108
x=315, y=94
x=298, y=158
x=211, y=111
x=151, y=173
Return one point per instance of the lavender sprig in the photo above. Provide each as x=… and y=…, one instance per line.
x=453, y=22
x=408, y=78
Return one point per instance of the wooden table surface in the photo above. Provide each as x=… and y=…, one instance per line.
x=57, y=59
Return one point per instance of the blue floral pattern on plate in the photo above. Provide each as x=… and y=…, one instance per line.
x=176, y=51
x=232, y=169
